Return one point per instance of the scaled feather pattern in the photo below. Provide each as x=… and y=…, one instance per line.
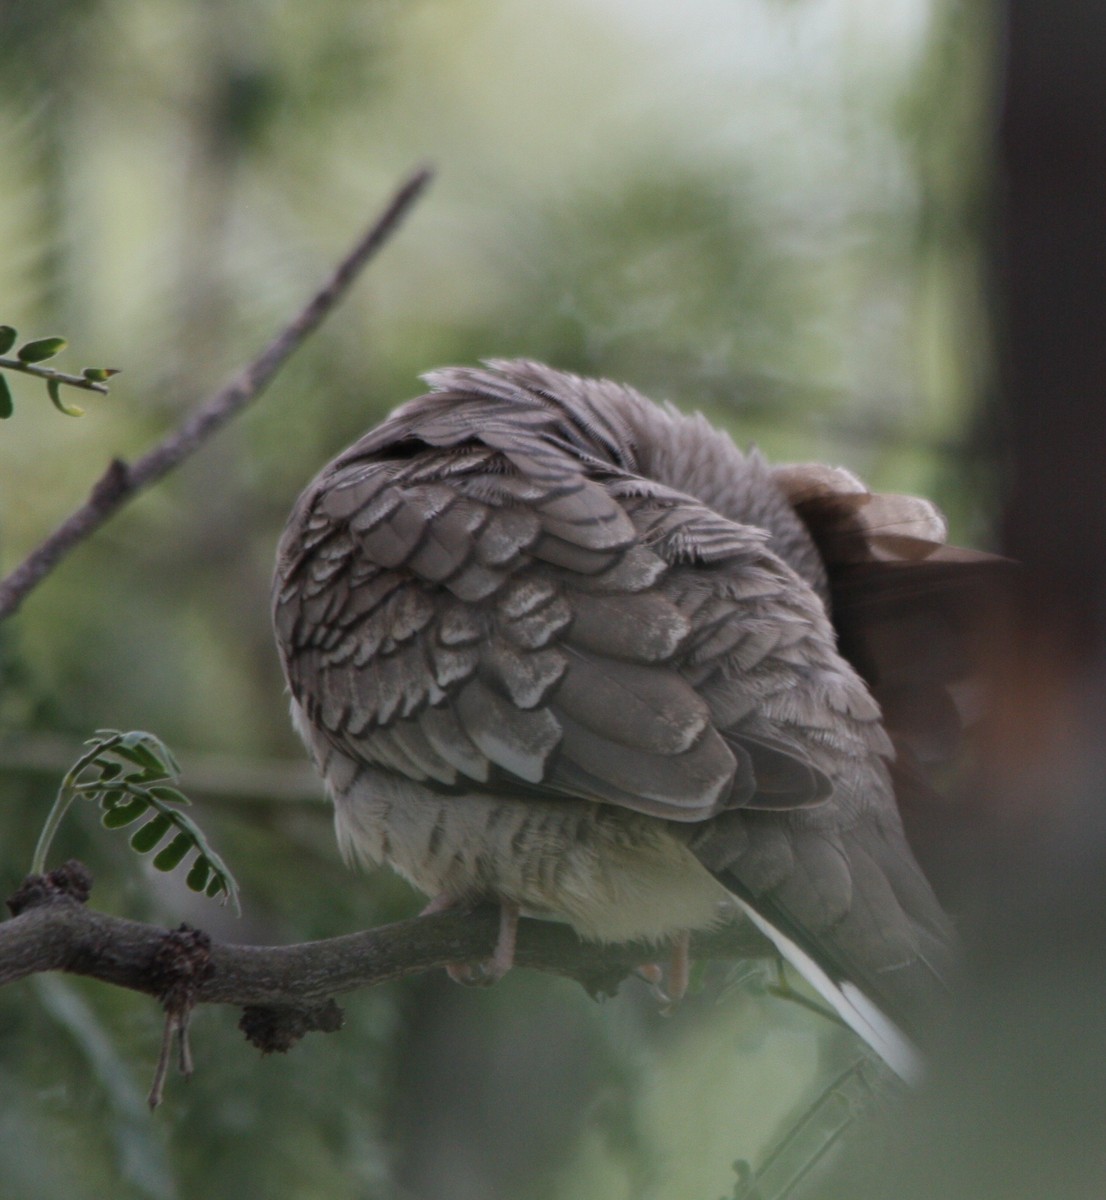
x=555, y=645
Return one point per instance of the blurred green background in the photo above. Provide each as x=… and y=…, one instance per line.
x=769, y=210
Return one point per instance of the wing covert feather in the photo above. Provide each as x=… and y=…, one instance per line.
x=518, y=616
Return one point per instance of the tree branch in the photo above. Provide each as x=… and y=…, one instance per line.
x=121, y=482
x=53, y=930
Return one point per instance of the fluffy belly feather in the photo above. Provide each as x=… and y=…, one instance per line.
x=613, y=877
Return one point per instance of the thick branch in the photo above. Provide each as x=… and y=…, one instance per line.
x=61, y=934
x=121, y=482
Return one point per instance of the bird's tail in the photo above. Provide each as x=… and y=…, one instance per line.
x=857, y=1011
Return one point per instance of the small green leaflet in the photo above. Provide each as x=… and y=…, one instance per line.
x=132, y=777
x=40, y=349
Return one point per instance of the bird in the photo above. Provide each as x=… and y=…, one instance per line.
x=556, y=646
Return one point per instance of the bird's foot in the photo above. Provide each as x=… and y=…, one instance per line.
x=490, y=970
x=670, y=988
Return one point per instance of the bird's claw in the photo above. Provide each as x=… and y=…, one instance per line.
x=669, y=989
x=490, y=970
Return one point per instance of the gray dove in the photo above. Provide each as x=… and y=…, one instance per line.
x=556, y=646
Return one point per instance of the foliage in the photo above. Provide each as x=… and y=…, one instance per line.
x=128, y=775
x=29, y=359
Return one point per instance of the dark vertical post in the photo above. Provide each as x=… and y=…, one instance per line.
x=1016, y=1101
x=1052, y=273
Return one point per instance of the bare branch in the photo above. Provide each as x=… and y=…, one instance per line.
x=121, y=482
x=57, y=932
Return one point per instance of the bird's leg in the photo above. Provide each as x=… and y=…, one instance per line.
x=670, y=988
x=679, y=967
x=491, y=970
x=503, y=957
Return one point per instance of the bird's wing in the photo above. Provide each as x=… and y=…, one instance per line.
x=464, y=599
x=478, y=596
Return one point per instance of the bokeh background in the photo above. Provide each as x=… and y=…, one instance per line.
x=774, y=211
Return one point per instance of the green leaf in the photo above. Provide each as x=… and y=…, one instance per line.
x=198, y=874
x=148, y=751
x=129, y=774
x=7, y=338
x=40, y=349
x=99, y=374
x=173, y=854
x=151, y=833
x=53, y=386
x=6, y=406
x=169, y=794
x=123, y=814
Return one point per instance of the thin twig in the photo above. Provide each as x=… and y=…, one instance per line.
x=157, y=1087
x=52, y=375
x=810, y=1138
x=121, y=482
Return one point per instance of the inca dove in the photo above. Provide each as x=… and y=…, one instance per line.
x=554, y=645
